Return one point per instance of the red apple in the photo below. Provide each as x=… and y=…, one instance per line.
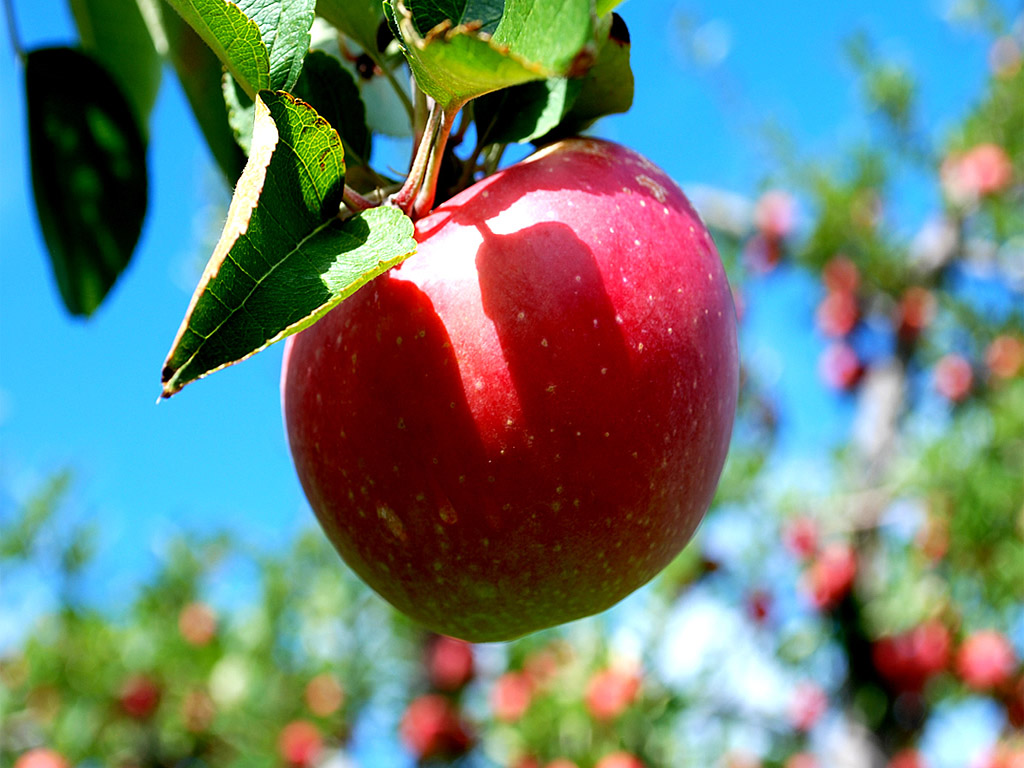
x=800, y=536
x=840, y=366
x=197, y=624
x=841, y=275
x=561, y=762
x=907, y=758
x=619, y=760
x=449, y=663
x=1005, y=356
x=41, y=757
x=801, y=760
x=511, y=696
x=300, y=743
x=324, y=695
x=985, y=660
x=527, y=420
x=831, y=575
x=837, y=314
x=139, y=697
x=610, y=692
x=807, y=705
x=953, y=377
x=431, y=727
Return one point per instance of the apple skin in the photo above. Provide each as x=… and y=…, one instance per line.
x=527, y=420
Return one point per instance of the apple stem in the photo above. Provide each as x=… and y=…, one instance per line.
x=405, y=196
x=417, y=193
x=425, y=196
x=355, y=201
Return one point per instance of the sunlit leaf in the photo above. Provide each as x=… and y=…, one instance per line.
x=284, y=258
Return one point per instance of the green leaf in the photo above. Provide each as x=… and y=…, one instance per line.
x=357, y=19
x=241, y=112
x=200, y=72
x=603, y=6
x=331, y=90
x=284, y=26
x=523, y=112
x=455, y=60
x=88, y=163
x=118, y=35
x=607, y=88
x=233, y=36
x=284, y=258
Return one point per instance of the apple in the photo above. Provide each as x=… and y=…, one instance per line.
x=324, y=695
x=907, y=758
x=511, y=696
x=526, y=421
x=830, y=575
x=619, y=760
x=801, y=760
x=300, y=743
x=1005, y=356
x=449, y=663
x=139, y=697
x=197, y=624
x=953, y=377
x=807, y=705
x=41, y=757
x=985, y=660
x=840, y=366
x=431, y=727
x=610, y=692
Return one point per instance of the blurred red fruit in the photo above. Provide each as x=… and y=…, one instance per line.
x=831, y=575
x=915, y=312
x=980, y=171
x=910, y=659
x=610, y=692
x=41, y=757
x=1004, y=756
x=837, y=314
x=840, y=367
x=841, y=274
x=775, y=214
x=198, y=710
x=561, y=762
x=801, y=760
x=807, y=705
x=449, y=663
x=1014, y=702
x=907, y=758
x=526, y=762
x=953, y=377
x=139, y=697
x=541, y=667
x=1005, y=356
x=511, y=696
x=324, y=695
x=300, y=743
x=759, y=604
x=197, y=623
x=985, y=660
x=801, y=537
x=431, y=727
x=619, y=760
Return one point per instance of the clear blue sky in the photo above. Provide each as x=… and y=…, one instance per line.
x=82, y=394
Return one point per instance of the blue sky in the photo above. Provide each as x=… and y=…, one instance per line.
x=82, y=394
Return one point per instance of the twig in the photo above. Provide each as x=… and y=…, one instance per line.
x=12, y=31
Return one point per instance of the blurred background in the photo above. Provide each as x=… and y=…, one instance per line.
x=854, y=598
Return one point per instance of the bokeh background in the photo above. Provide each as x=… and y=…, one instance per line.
x=870, y=491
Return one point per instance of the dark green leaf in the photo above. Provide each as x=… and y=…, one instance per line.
x=234, y=37
x=523, y=112
x=121, y=38
x=241, y=111
x=486, y=13
x=284, y=26
x=333, y=93
x=357, y=19
x=607, y=88
x=200, y=72
x=88, y=163
x=285, y=258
